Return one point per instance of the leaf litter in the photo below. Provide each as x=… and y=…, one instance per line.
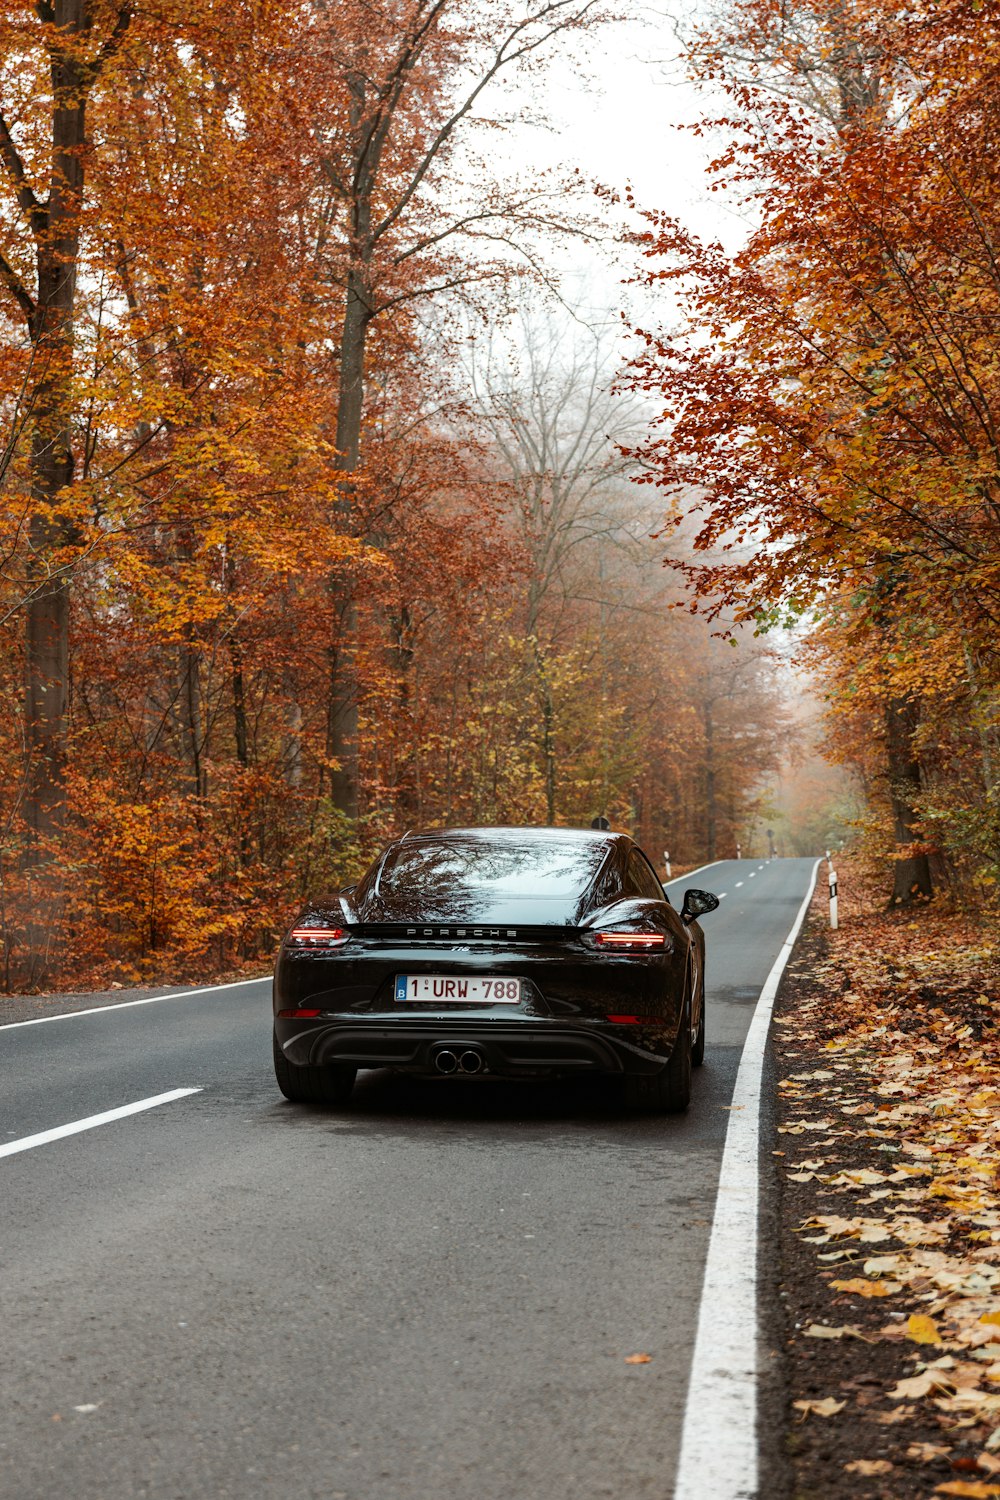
x=889, y=1046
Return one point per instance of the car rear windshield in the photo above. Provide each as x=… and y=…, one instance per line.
x=556, y=870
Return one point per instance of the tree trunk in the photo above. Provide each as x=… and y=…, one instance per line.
x=47, y=708
x=548, y=747
x=548, y=736
x=403, y=635
x=51, y=536
x=240, y=729
x=342, y=702
x=189, y=712
x=912, y=874
x=710, y=808
x=291, y=746
x=54, y=227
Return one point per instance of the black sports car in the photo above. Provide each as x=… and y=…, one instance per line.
x=518, y=952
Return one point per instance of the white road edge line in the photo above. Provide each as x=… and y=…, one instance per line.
x=719, y=1438
x=26, y=1143
x=99, y=1010
x=678, y=878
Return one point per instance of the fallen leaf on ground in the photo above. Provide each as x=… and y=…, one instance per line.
x=920, y=1385
x=638, y=1359
x=973, y=1489
x=869, y=1466
x=863, y=1288
x=922, y=1329
x=890, y=1418
x=828, y=1407
x=821, y=1331
x=926, y=1453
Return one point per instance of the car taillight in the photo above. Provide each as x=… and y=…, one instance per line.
x=628, y=942
x=318, y=937
x=298, y=1015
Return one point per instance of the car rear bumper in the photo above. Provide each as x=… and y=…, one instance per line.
x=527, y=1048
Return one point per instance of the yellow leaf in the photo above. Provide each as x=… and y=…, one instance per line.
x=862, y=1288
x=638, y=1359
x=991, y=1317
x=869, y=1466
x=973, y=1489
x=922, y=1329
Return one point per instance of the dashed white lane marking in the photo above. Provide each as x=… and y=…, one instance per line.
x=738, y=884
x=723, y=895
x=752, y=874
x=27, y=1142
x=719, y=1437
x=98, y=1010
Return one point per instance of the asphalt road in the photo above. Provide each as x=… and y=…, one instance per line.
x=430, y=1296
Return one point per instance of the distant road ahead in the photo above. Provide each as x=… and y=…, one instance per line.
x=430, y=1296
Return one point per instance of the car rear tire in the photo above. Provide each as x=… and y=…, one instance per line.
x=669, y=1091
x=698, y=1045
x=312, y=1085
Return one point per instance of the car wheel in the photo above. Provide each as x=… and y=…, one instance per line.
x=312, y=1085
x=698, y=1045
x=669, y=1091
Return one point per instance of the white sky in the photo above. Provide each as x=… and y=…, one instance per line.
x=618, y=113
x=625, y=122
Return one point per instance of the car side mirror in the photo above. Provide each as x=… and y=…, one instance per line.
x=697, y=904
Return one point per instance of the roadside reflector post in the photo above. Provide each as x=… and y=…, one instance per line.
x=666, y=861
x=834, y=922
x=739, y=852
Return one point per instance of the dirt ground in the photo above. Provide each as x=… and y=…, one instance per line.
x=874, y=1191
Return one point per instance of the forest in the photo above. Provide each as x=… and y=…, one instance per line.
x=326, y=513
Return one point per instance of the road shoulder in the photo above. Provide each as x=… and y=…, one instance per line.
x=16, y=1009
x=887, y=1316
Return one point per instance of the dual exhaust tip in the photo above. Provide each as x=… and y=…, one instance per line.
x=467, y=1061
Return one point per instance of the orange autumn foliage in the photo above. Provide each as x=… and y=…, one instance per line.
x=830, y=401
x=206, y=577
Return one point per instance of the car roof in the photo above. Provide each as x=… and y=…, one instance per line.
x=513, y=834
x=513, y=831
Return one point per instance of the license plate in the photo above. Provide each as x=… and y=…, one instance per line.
x=438, y=989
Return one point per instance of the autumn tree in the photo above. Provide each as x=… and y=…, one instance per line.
x=56, y=57
x=831, y=399
x=219, y=541
x=544, y=391
x=389, y=235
